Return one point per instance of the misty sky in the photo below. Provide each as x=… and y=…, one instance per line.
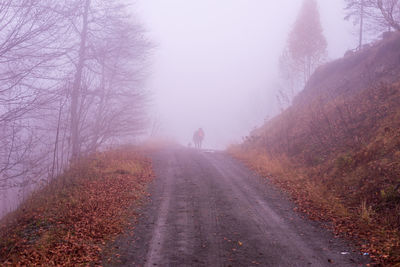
x=215, y=62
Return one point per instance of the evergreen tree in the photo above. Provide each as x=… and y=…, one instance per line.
x=307, y=44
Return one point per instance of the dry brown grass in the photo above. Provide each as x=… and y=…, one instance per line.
x=340, y=161
x=313, y=197
x=69, y=221
x=291, y=178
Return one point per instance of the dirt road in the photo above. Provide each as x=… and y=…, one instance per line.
x=207, y=209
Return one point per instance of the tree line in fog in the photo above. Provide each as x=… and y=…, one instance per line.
x=306, y=47
x=70, y=83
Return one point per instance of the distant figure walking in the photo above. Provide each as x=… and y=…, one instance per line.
x=198, y=137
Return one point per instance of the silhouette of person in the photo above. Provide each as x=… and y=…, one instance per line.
x=198, y=137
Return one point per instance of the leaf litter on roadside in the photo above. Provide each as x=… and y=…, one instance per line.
x=69, y=222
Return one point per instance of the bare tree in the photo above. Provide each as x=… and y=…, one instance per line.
x=357, y=10
x=106, y=99
x=373, y=16
x=70, y=75
x=77, y=84
x=28, y=54
x=290, y=80
x=390, y=10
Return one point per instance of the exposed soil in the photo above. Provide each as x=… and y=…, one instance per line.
x=207, y=209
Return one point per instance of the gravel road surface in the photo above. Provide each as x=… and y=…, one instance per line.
x=207, y=209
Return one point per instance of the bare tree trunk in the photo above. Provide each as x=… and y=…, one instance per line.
x=361, y=25
x=76, y=88
x=389, y=12
x=55, y=151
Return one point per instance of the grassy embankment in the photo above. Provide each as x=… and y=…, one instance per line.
x=69, y=221
x=340, y=162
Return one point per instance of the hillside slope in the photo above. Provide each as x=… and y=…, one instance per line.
x=376, y=63
x=337, y=148
x=70, y=221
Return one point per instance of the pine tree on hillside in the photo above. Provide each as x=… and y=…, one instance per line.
x=356, y=10
x=307, y=44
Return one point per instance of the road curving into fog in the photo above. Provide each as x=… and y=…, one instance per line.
x=206, y=209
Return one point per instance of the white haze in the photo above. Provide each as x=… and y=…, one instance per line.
x=215, y=62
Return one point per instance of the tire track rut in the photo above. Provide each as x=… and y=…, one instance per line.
x=207, y=209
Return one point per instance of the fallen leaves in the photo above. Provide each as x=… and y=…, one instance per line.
x=69, y=222
x=377, y=239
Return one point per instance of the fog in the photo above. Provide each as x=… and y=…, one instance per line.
x=214, y=64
